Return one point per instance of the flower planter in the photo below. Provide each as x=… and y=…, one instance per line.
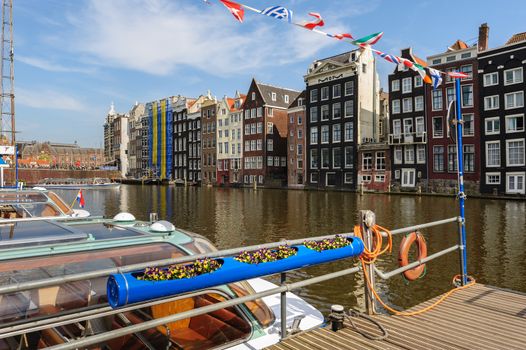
x=125, y=288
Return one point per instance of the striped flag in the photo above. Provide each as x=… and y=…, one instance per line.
x=388, y=57
x=278, y=12
x=341, y=36
x=235, y=9
x=420, y=65
x=318, y=22
x=436, y=77
x=457, y=75
x=369, y=39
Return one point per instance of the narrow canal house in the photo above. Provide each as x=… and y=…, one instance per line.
x=160, y=138
x=194, y=142
x=265, y=134
x=137, y=113
x=230, y=140
x=407, y=120
x=502, y=84
x=342, y=107
x=442, y=148
x=296, y=142
x=209, y=140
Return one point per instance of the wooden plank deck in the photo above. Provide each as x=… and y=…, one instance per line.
x=479, y=317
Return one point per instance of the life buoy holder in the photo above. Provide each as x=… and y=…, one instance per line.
x=403, y=254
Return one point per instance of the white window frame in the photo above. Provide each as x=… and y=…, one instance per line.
x=520, y=74
x=493, y=174
x=334, y=90
x=513, y=116
x=491, y=102
x=404, y=170
x=472, y=96
x=379, y=178
x=407, y=85
x=492, y=120
x=351, y=85
x=486, y=152
x=418, y=81
x=523, y=152
x=311, y=178
x=419, y=106
x=464, y=129
x=393, y=109
x=325, y=88
x=516, y=174
x=420, y=160
x=515, y=105
x=346, y=180
x=395, y=85
x=433, y=127
x=409, y=108
x=409, y=150
x=322, y=129
x=433, y=99
x=398, y=150
x=491, y=75
x=314, y=92
x=419, y=121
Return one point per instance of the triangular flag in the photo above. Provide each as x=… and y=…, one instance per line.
x=369, y=39
x=235, y=9
x=318, y=22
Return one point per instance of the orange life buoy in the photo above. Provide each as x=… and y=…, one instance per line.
x=403, y=254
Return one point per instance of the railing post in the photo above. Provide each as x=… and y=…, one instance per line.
x=283, y=307
x=367, y=221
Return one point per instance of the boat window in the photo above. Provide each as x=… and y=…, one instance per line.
x=39, y=210
x=60, y=203
x=36, y=232
x=21, y=197
x=258, y=308
x=12, y=212
x=218, y=328
x=101, y=230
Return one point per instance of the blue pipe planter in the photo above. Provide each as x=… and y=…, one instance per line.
x=123, y=289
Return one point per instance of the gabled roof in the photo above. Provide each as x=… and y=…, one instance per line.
x=458, y=45
x=516, y=38
x=266, y=93
x=302, y=95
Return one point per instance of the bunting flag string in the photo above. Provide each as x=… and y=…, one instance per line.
x=279, y=12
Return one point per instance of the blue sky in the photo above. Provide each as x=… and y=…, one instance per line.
x=73, y=58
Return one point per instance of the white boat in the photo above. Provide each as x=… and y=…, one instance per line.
x=76, y=184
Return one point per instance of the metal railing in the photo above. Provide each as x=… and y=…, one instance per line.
x=367, y=219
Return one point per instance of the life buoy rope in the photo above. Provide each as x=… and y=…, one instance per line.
x=370, y=256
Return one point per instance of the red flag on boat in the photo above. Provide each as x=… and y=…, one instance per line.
x=80, y=199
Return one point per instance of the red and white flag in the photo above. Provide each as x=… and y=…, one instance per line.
x=235, y=9
x=318, y=22
x=80, y=199
x=457, y=75
x=341, y=36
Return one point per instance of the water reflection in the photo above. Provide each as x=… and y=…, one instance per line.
x=236, y=217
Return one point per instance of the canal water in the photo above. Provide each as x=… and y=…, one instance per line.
x=496, y=231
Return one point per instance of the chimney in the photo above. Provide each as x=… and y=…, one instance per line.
x=483, y=37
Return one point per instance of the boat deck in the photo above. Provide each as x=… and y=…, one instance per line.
x=478, y=317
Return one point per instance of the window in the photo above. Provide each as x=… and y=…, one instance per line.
x=398, y=155
x=325, y=158
x=270, y=128
x=364, y=68
x=259, y=127
x=418, y=81
x=336, y=110
x=324, y=93
x=336, y=91
x=450, y=58
x=395, y=85
x=437, y=100
x=450, y=95
x=300, y=150
x=491, y=79
x=291, y=119
x=407, y=85
x=492, y=178
x=467, y=69
x=324, y=134
x=397, y=128
x=452, y=158
x=409, y=154
x=366, y=179
x=492, y=126
x=469, y=124
x=513, y=76
x=467, y=95
x=379, y=178
x=253, y=96
x=276, y=161
x=349, y=157
x=253, y=145
x=397, y=174
x=300, y=133
x=348, y=178
x=515, y=152
x=314, y=95
x=300, y=120
x=247, y=113
x=349, y=88
x=314, y=178
x=408, y=126
x=395, y=106
x=493, y=153
x=438, y=127
x=407, y=105
x=438, y=158
x=273, y=96
x=514, y=99
x=421, y=154
x=515, y=183
x=336, y=158
x=469, y=158
x=286, y=98
x=336, y=133
x=437, y=61
x=514, y=123
x=325, y=112
x=314, y=135
x=348, y=131
x=408, y=178
x=465, y=55
x=367, y=161
x=270, y=111
x=420, y=127
x=313, y=114
x=270, y=145
x=349, y=108
x=247, y=146
x=380, y=160
x=253, y=128
x=491, y=102
x=419, y=103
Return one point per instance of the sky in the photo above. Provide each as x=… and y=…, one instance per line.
x=73, y=58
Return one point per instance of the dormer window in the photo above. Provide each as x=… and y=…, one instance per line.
x=253, y=96
x=300, y=102
x=273, y=96
x=286, y=98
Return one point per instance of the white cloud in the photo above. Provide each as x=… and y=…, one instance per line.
x=48, y=99
x=51, y=66
x=160, y=37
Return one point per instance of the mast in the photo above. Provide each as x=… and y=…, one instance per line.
x=7, y=88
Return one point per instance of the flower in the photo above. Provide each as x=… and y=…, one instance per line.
x=175, y=272
x=329, y=243
x=265, y=255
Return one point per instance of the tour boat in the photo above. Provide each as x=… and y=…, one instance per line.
x=76, y=184
x=35, y=203
x=39, y=314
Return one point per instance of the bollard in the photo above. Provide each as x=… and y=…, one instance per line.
x=336, y=317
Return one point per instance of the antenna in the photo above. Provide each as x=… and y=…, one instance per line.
x=7, y=88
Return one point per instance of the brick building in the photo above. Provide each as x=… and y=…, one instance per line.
x=374, y=166
x=209, y=140
x=296, y=142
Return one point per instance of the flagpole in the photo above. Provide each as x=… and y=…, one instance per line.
x=461, y=194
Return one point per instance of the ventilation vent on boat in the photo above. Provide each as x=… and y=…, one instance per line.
x=162, y=226
x=124, y=217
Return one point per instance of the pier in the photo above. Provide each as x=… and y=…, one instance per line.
x=478, y=317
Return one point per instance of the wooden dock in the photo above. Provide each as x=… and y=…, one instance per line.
x=479, y=317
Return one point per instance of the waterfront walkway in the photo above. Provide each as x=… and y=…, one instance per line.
x=479, y=317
